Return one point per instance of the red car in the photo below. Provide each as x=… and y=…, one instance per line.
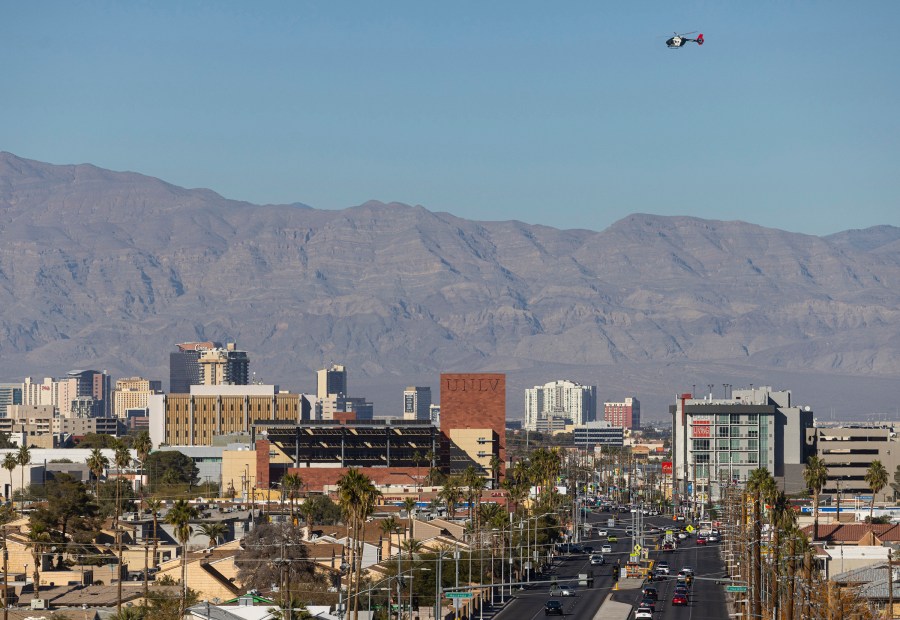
x=679, y=599
x=701, y=541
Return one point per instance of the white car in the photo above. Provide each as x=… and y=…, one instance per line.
x=602, y=533
x=687, y=570
x=606, y=549
x=643, y=612
x=597, y=560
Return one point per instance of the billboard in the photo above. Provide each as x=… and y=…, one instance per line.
x=667, y=468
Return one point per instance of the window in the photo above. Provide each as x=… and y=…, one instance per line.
x=735, y=418
x=723, y=431
x=701, y=444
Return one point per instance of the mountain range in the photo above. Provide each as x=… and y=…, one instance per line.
x=109, y=270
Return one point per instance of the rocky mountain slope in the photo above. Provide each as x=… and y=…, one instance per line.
x=109, y=270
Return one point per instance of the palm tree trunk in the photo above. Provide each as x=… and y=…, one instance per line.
x=155, y=541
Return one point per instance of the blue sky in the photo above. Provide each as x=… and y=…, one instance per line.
x=567, y=114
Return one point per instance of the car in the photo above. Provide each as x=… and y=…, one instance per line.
x=597, y=560
x=643, y=613
x=650, y=592
x=588, y=549
x=602, y=533
x=669, y=546
x=606, y=549
x=612, y=539
x=649, y=602
x=662, y=566
x=552, y=607
x=567, y=591
x=679, y=517
x=681, y=583
x=683, y=535
x=713, y=538
x=679, y=600
x=701, y=540
x=687, y=570
x=681, y=590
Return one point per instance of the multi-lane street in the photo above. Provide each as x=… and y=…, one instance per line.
x=707, y=600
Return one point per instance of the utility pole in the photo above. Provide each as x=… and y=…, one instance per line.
x=890, y=606
x=5, y=576
x=119, y=586
x=146, y=568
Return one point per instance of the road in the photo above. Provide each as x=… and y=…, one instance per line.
x=707, y=601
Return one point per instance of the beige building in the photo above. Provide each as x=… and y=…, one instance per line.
x=194, y=419
x=849, y=451
x=58, y=394
x=471, y=446
x=132, y=393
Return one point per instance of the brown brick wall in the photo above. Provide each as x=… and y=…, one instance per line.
x=315, y=478
x=475, y=400
x=262, y=463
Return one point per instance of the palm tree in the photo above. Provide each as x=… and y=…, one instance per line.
x=496, y=463
x=357, y=495
x=449, y=494
x=180, y=516
x=214, y=531
x=23, y=458
x=97, y=463
x=877, y=478
x=143, y=445
x=291, y=483
x=10, y=463
x=39, y=538
x=815, y=474
x=409, y=505
x=759, y=484
x=122, y=459
x=388, y=527
x=154, y=505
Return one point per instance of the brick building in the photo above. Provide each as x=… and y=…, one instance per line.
x=473, y=420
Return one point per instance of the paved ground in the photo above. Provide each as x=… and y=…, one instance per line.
x=708, y=598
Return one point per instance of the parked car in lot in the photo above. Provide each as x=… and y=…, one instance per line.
x=552, y=608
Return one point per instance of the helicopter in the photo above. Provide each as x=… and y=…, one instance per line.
x=680, y=39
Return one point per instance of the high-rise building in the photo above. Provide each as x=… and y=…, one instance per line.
x=10, y=394
x=473, y=420
x=558, y=403
x=626, y=414
x=417, y=403
x=97, y=385
x=717, y=442
x=132, y=393
x=184, y=365
x=57, y=392
x=226, y=366
x=331, y=381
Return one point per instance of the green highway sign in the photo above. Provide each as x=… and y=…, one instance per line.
x=735, y=588
x=459, y=595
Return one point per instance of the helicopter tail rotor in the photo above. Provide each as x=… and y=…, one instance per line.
x=700, y=39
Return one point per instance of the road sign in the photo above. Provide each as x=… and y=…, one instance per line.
x=637, y=549
x=459, y=595
x=735, y=588
x=689, y=529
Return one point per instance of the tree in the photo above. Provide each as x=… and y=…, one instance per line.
x=814, y=475
x=213, y=530
x=449, y=495
x=291, y=484
x=142, y=445
x=170, y=467
x=180, y=516
x=122, y=458
x=23, y=458
x=10, y=462
x=39, y=537
x=320, y=510
x=97, y=464
x=409, y=505
x=759, y=484
x=153, y=505
x=357, y=499
x=275, y=553
x=496, y=464
x=877, y=478
x=68, y=508
x=98, y=440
